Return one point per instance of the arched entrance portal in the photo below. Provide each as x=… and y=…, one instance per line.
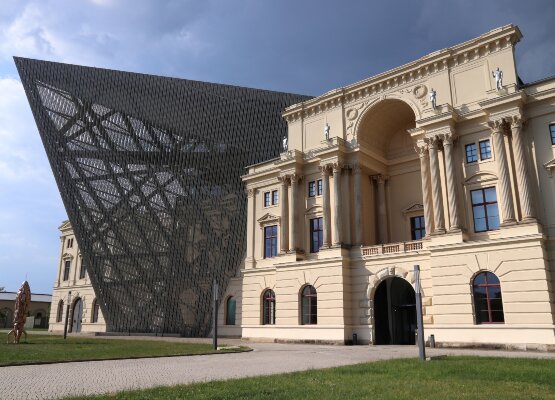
x=77, y=316
x=394, y=312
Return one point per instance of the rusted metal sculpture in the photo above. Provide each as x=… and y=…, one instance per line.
x=22, y=301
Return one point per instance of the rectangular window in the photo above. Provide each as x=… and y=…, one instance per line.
x=485, y=149
x=311, y=189
x=266, y=199
x=484, y=209
x=67, y=266
x=552, y=130
x=471, y=154
x=82, y=271
x=274, y=197
x=319, y=182
x=417, y=228
x=270, y=241
x=316, y=234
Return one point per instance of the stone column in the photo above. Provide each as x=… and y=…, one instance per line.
x=294, y=225
x=346, y=212
x=325, y=170
x=505, y=194
x=452, y=198
x=358, y=205
x=437, y=196
x=382, y=209
x=337, y=205
x=524, y=190
x=426, y=195
x=284, y=228
x=251, y=221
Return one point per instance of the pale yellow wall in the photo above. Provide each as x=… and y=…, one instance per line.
x=522, y=255
x=79, y=287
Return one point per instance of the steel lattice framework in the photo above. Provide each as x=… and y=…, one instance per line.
x=149, y=172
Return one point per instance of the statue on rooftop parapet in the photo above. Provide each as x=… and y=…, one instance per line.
x=22, y=301
x=433, y=98
x=327, y=132
x=498, y=75
x=285, y=143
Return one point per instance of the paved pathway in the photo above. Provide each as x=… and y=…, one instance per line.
x=85, y=378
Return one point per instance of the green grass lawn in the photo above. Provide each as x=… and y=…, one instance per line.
x=53, y=348
x=449, y=378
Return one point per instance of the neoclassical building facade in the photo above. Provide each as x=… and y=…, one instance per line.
x=74, y=286
x=447, y=163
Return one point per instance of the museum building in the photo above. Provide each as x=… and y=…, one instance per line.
x=447, y=163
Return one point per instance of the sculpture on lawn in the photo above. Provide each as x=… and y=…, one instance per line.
x=22, y=301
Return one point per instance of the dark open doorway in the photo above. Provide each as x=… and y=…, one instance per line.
x=394, y=312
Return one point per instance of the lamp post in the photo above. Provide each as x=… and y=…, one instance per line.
x=419, y=318
x=215, y=314
x=67, y=313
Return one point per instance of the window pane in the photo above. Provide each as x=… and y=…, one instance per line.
x=477, y=197
x=485, y=149
x=311, y=189
x=471, y=153
x=497, y=316
x=491, y=195
x=274, y=197
x=493, y=217
x=552, y=128
x=492, y=279
x=319, y=187
x=480, y=279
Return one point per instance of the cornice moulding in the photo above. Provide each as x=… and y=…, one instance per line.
x=415, y=71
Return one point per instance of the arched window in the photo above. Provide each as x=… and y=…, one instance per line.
x=268, y=307
x=230, y=311
x=95, y=309
x=60, y=312
x=488, y=304
x=309, y=306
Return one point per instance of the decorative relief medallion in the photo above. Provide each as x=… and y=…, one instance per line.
x=419, y=91
x=352, y=114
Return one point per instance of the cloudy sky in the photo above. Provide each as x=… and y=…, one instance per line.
x=306, y=47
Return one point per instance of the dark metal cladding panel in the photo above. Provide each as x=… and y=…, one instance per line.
x=149, y=169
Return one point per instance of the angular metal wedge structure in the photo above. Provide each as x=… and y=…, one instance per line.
x=149, y=171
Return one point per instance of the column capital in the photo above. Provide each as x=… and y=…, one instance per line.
x=295, y=178
x=432, y=142
x=380, y=178
x=251, y=192
x=337, y=167
x=497, y=125
x=448, y=138
x=325, y=169
x=516, y=122
x=355, y=168
x=284, y=179
x=421, y=148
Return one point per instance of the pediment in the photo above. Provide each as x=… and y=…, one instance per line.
x=268, y=218
x=314, y=209
x=67, y=256
x=65, y=225
x=415, y=207
x=481, y=177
